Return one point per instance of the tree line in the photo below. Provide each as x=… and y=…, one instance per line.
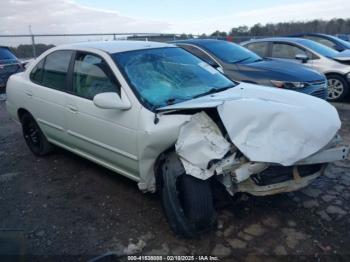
x=332, y=27
x=26, y=51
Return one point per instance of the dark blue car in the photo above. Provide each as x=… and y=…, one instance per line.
x=241, y=64
x=9, y=64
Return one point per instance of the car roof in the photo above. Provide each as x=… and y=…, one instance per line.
x=116, y=46
x=196, y=41
x=282, y=39
x=311, y=34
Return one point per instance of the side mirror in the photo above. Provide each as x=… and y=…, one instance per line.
x=302, y=58
x=111, y=100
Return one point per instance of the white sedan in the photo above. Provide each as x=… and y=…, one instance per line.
x=162, y=117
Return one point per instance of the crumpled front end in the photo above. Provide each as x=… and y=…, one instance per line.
x=277, y=178
x=205, y=151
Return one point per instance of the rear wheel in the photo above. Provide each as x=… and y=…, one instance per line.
x=187, y=201
x=34, y=137
x=338, y=88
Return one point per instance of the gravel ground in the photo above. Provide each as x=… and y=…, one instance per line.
x=63, y=206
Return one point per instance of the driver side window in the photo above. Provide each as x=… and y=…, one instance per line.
x=286, y=51
x=92, y=76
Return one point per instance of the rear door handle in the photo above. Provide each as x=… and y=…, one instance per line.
x=73, y=109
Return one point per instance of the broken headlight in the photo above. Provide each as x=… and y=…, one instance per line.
x=288, y=85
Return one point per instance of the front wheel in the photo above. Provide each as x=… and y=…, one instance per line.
x=186, y=200
x=34, y=137
x=338, y=88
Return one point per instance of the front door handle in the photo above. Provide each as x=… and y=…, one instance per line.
x=73, y=109
x=28, y=93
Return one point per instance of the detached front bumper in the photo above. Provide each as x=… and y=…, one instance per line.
x=279, y=179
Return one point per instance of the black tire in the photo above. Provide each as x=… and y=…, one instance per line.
x=186, y=200
x=34, y=137
x=339, y=90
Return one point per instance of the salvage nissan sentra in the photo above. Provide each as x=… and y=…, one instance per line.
x=162, y=117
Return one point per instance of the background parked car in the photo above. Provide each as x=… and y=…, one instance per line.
x=328, y=40
x=9, y=64
x=241, y=64
x=335, y=65
x=344, y=37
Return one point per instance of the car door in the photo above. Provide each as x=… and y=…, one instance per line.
x=288, y=52
x=106, y=136
x=47, y=91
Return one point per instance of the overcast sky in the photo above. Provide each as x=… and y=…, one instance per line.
x=179, y=16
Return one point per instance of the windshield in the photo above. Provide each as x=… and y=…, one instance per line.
x=342, y=41
x=5, y=54
x=321, y=49
x=229, y=52
x=166, y=76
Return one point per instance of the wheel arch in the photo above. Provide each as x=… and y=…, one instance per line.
x=21, y=112
x=345, y=83
x=327, y=74
x=157, y=167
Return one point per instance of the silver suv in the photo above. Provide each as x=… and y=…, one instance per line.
x=335, y=65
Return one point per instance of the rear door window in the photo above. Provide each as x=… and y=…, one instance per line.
x=258, y=48
x=55, y=70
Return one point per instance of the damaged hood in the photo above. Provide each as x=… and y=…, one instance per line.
x=271, y=125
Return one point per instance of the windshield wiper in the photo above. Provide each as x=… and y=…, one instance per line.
x=213, y=90
x=174, y=100
x=259, y=60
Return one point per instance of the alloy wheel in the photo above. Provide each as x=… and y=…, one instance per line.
x=32, y=135
x=335, y=88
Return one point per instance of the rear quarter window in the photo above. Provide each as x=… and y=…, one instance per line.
x=36, y=75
